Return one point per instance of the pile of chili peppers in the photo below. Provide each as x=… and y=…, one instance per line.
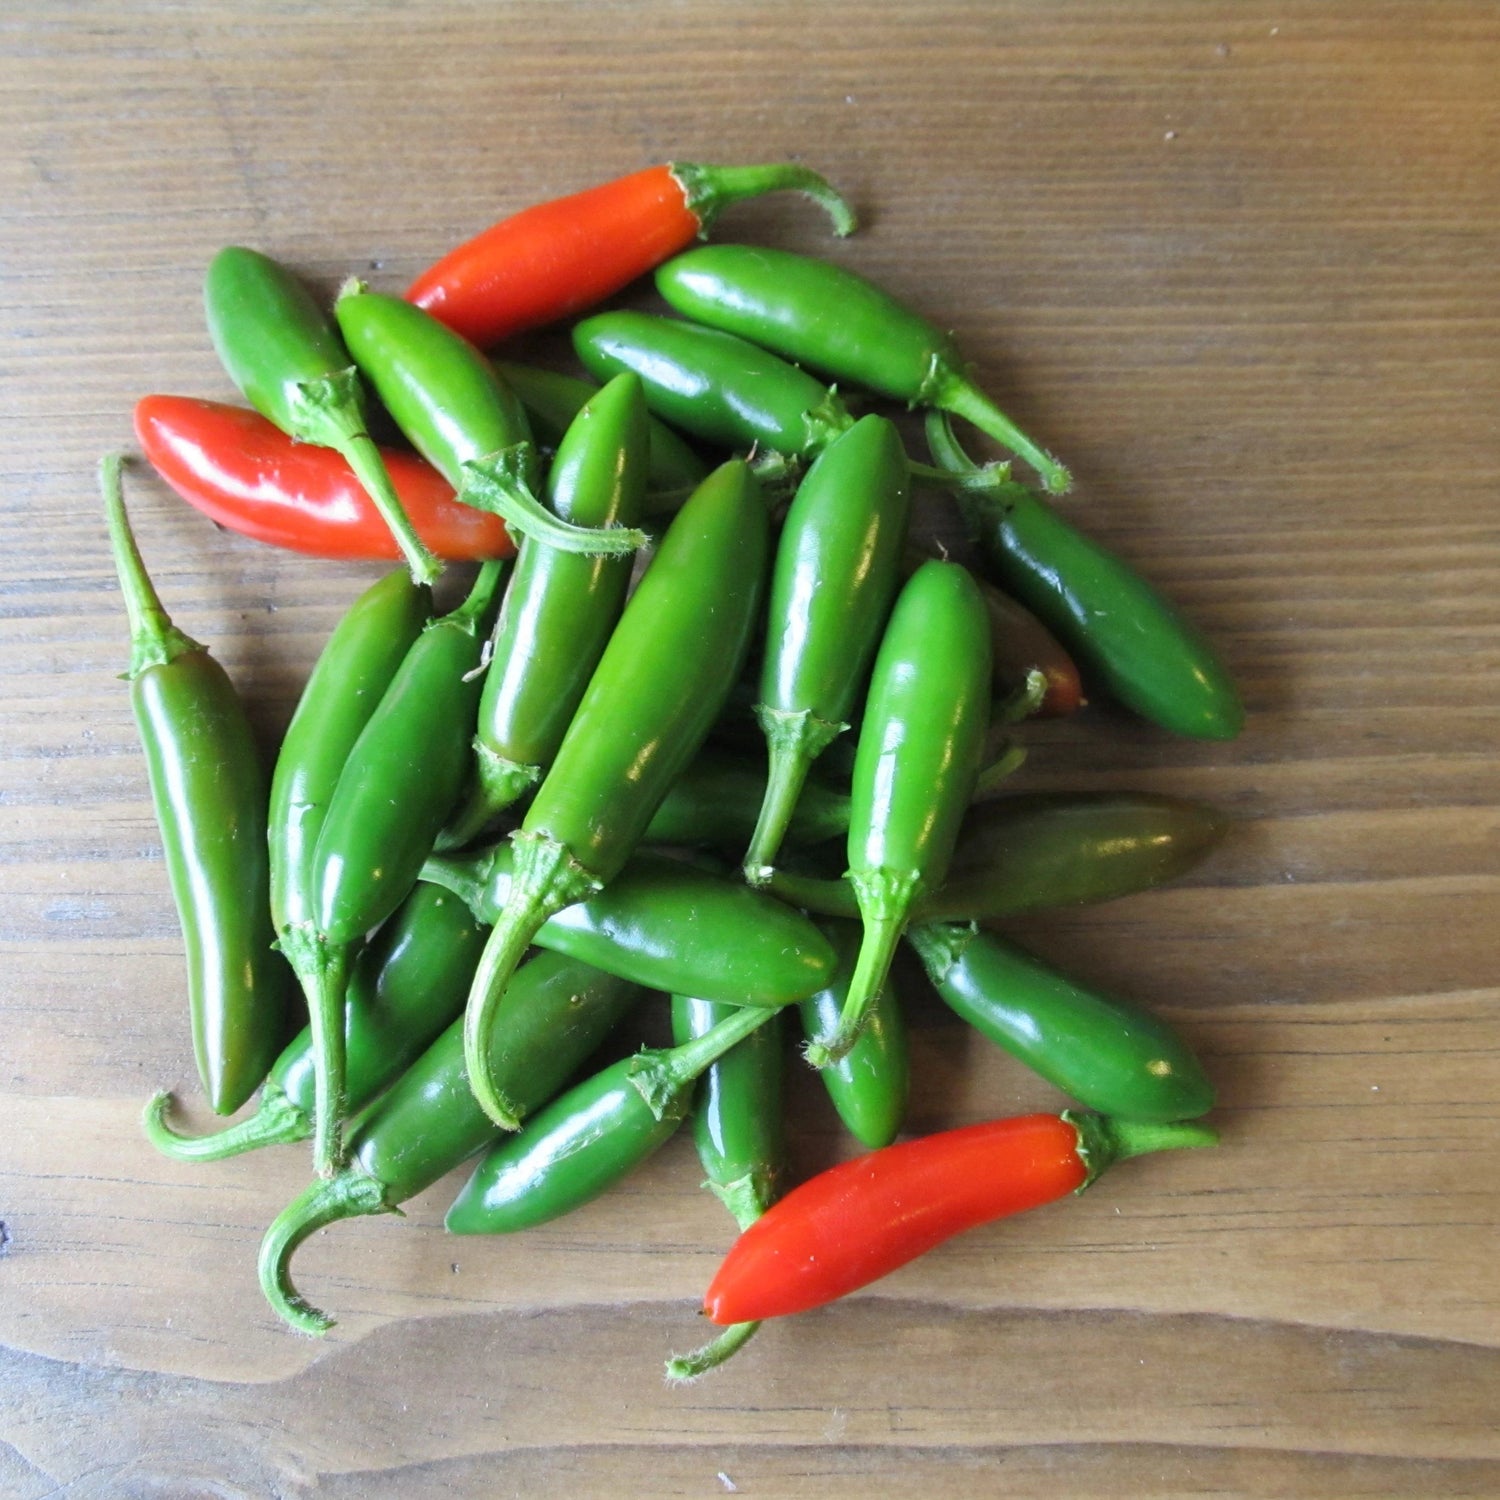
x=489, y=831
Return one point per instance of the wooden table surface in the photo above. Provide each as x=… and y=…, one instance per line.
x=1240, y=264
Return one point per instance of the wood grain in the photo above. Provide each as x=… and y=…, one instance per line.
x=1241, y=266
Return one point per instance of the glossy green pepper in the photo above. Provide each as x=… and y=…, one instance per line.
x=1103, y=1051
x=559, y=609
x=587, y=1139
x=405, y=987
x=552, y=400
x=398, y=786
x=648, y=707
x=1122, y=631
x=869, y=1084
x=715, y=804
x=459, y=415
x=1039, y=850
x=665, y=924
x=920, y=748
x=836, y=572
x=352, y=673
x=209, y=791
x=738, y=1132
x=428, y=1123
x=833, y=320
x=284, y=354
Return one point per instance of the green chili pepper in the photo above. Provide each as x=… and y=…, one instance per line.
x=404, y=988
x=428, y=1124
x=1042, y=850
x=559, y=609
x=834, y=321
x=739, y=1136
x=868, y=1085
x=658, y=687
x=209, y=791
x=1120, y=629
x=590, y=1137
x=836, y=572
x=667, y=925
x=919, y=752
x=715, y=804
x=352, y=673
x=1102, y=1051
x=399, y=784
x=552, y=400
x=284, y=354
x=459, y=415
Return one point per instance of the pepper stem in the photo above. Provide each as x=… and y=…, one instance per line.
x=663, y=1077
x=154, y=639
x=328, y=412
x=1007, y=762
x=500, y=484
x=953, y=391
x=940, y=945
x=545, y=878
x=323, y=970
x=707, y=191
x=684, y=1367
x=885, y=901
x=276, y=1122
x=794, y=740
x=827, y=898
x=1104, y=1140
x=321, y=1203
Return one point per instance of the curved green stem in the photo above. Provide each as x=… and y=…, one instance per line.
x=276, y=1122
x=707, y=191
x=329, y=413
x=154, y=639
x=1104, y=1140
x=500, y=484
x=885, y=901
x=498, y=783
x=323, y=969
x=545, y=878
x=1006, y=763
x=321, y=1203
x=794, y=741
x=828, y=898
x=663, y=1078
x=952, y=390
x=709, y=1356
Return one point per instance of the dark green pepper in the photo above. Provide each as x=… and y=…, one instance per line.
x=459, y=415
x=559, y=609
x=836, y=572
x=209, y=791
x=1102, y=1051
x=920, y=747
x=1119, y=627
x=552, y=400
x=285, y=356
x=590, y=1137
x=716, y=801
x=428, y=1123
x=831, y=319
x=1045, y=849
x=405, y=987
x=738, y=1132
x=398, y=786
x=648, y=707
x=352, y=673
x=868, y=1085
x=667, y=925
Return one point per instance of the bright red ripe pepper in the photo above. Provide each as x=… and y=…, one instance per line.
x=862, y=1219
x=554, y=259
x=245, y=473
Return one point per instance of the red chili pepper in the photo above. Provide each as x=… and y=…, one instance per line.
x=555, y=259
x=248, y=475
x=860, y=1220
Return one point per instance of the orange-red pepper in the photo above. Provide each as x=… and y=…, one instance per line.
x=245, y=473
